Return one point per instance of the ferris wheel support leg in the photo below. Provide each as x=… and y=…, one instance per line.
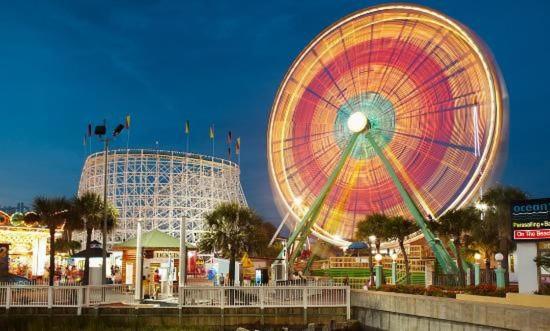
x=442, y=256
x=303, y=228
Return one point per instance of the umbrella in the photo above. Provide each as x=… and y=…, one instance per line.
x=357, y=246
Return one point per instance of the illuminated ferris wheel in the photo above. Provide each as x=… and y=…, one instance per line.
x=395, y=109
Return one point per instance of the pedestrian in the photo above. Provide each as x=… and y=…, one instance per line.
x=156, y=281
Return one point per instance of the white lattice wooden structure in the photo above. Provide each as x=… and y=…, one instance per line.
x=160, y=188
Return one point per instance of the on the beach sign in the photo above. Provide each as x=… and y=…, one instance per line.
x=531, y=219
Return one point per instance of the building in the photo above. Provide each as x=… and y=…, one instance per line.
x=161, y=188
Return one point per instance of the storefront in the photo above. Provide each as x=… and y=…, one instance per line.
x=531, y=231
x=160, y=253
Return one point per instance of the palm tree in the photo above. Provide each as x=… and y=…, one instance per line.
x=372, y=225
x=457, y=224
x=398, y=228
x=231, y=230
x=51, y=213
x=88, y=207
x=499, y=199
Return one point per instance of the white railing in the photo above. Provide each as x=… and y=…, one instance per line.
x=265, y=296
x=188, y=296
x=62, y=296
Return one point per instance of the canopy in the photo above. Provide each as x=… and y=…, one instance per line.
x=95, y=250
x=92, y=252
x=152, y=239
x=358, y=245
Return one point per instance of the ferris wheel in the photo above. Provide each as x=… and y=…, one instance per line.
x=395, y=109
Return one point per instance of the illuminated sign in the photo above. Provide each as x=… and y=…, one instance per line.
x=531, y=219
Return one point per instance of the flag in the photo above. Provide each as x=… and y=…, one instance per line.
x=229, y=138
x=89, y=130
x=187, y=128
x=238, y=146
x=211, y=131
x=127, y=123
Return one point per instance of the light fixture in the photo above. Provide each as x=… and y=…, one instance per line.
x=298, y=201
x=477, y=256
x=378, y=257
x=394, y=256
x=372, y=238
x=357, y=122
x=481, y=206
x=499, y=257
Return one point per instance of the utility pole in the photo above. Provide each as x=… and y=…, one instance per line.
x=104, y=230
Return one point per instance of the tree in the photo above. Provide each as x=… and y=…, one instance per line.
x=372, y=225
x=232, y=230
x=457, y=224
x=88, y=208
x=51, y=213
x=498, y=199
x=398, y=228
x=485, y=237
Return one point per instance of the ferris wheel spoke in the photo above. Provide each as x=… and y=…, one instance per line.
x=303, y=137
x=469, y=149
x=350, y=69
x=309, y=158
x=449, y=165
x=390, y=68
x=315, y=94
x=407, y=72
x=331, y=77
x=448, y=109
x=424, y=87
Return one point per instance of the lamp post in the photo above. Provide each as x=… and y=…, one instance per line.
x=378, y=258
x=394, y=268
x=477, y=256
x=372, y=240
x=183, y=253
x=100, y=131
x=499, y=270
x=139, y=264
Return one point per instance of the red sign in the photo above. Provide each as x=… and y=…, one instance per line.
x=531, y=234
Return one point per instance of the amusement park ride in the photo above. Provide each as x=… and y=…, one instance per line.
x=395, y=109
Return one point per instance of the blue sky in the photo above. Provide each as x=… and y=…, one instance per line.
x=64, y=64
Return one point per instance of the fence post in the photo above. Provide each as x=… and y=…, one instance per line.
x=261, y=297
x=50, y=296
x=79, y=300
x=222, y=297
x=8, y=297
x=87, y=301
x=304, y=295
x=348, y=303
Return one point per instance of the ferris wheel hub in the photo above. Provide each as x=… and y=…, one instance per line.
x=357, y=122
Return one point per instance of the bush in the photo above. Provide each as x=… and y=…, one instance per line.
x=448, y=291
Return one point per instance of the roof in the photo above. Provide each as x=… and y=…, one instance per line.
x=152, y=239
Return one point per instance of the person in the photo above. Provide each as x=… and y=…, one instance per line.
x=156, y=281
x=346, y=281
x=222, y=280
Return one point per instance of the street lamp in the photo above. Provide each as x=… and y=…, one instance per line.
x=101, y=132
x=378, y=270
x=394, y=268
x=477, y=256
x=499, y=270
